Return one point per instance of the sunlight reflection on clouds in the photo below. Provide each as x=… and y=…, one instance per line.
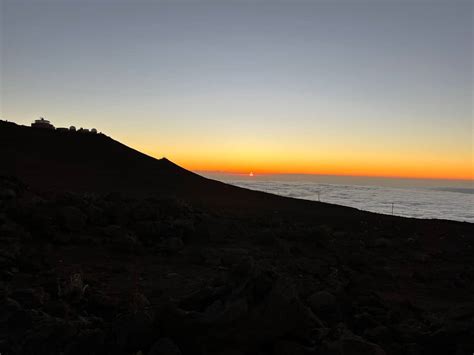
x=408, y=202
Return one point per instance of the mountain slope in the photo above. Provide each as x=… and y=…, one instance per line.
x=72, y=161
x=81, y=162
x=67, y=160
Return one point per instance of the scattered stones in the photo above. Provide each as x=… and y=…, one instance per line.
x=72, y=265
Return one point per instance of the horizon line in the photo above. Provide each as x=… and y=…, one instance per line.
x=256, y=174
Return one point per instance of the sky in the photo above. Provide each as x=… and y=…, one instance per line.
x=372, y=88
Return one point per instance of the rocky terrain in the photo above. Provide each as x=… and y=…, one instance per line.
x=86, y=273
x=104, y=250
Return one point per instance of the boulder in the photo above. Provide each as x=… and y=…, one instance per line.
x=231, y=352
x=383, y=243
x=281, y=313
x=99, y=303
x=73, y=288
x=254, y=309
x=120, y=238
x=353, y=346
x=117, y=211
x=148, y=230
x=232, y=256
x=285, y=347
x=88, y=341
x=96, y=215
x=220, y=314
x=164, y=346
x=243, y=270
x=363, y=321
x=3, y=218
x=322, y=302
x=201, y=299
x=134, y=330
x=7, y=194
x=72, y=219
x=61, y=237
x=204, y=256
x=173, y=244
x=379, y=334
x=8, y=309
x=30, y=297
x=9, y=247
x=57, y=308
x=145, y=212
x=461, y=312
x=47, y=335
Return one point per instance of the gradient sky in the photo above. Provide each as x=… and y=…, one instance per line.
x=380, y=88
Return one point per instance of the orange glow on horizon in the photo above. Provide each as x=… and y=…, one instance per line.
x=343, y=172
x=428, y=170
x=365, y=162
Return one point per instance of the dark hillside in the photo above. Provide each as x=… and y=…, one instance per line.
x=81, y=162
x=88, y=162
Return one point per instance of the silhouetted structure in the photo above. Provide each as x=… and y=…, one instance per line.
x=42, y=123
x=72, y=129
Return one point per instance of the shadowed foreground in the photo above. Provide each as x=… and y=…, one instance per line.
x=104, y=250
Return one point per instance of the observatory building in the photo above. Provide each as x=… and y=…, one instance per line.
x=42, y=123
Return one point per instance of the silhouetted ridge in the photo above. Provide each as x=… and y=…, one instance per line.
x=73, y=161
x=69, y=160
x=52, y=160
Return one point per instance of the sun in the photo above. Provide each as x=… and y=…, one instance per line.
x=251, y=174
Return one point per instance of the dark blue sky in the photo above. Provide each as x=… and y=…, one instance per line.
x=327, y=82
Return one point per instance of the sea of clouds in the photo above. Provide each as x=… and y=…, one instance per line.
x=454, y=203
